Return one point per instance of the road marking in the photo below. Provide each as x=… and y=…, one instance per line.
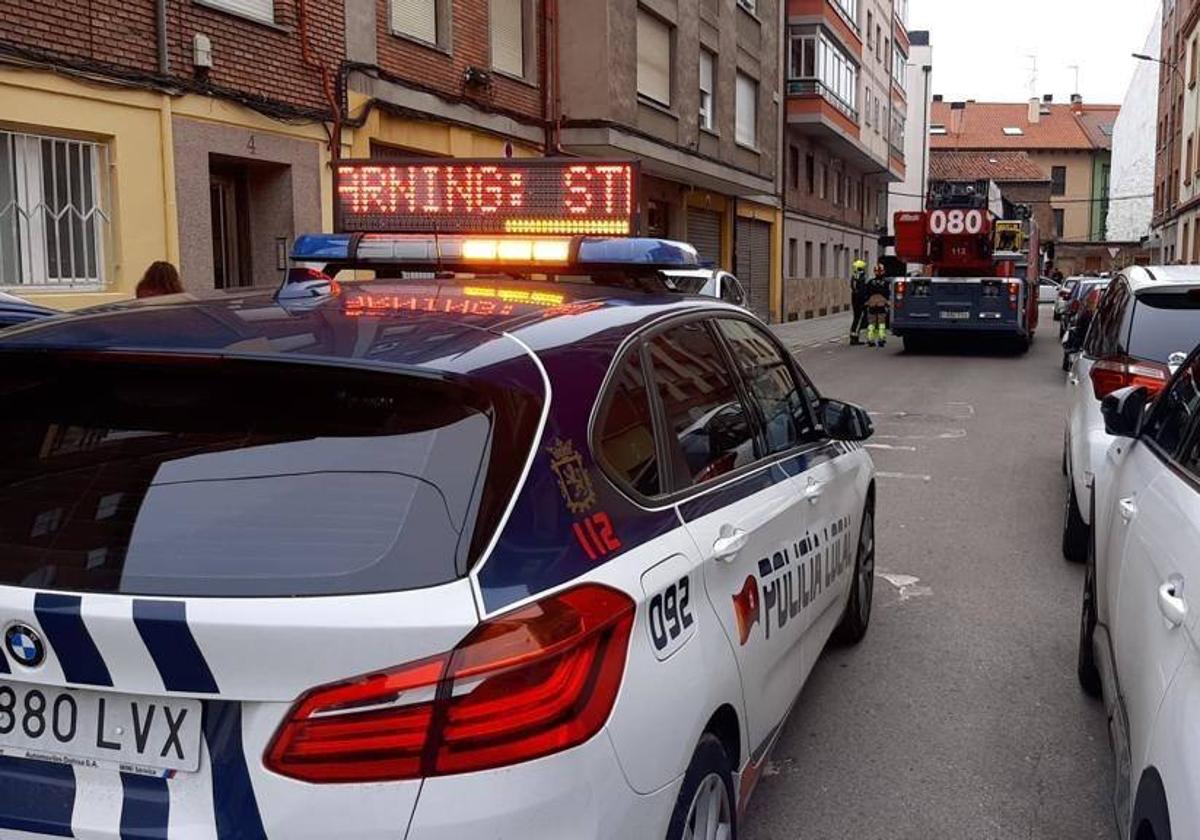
x=890, y=448
x=906, y=585
x=953, y=434
x=905, y=476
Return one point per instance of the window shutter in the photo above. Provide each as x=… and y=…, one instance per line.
x=508, y=30
x=747, y=111
x=706, y=71
x=263, y=10
x=654, y=58
x=417, y=18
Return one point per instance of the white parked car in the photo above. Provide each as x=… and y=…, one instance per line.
x=1047, y=291
x=1139, y=640
x=1146, y=317
x=709, y=282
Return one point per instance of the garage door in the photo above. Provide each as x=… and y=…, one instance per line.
x=753, y=266
x=704, y=232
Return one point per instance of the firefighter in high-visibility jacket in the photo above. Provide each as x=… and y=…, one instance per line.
x=858, y=300
x=878, y=292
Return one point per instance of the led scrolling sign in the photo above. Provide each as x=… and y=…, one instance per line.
x=537, y=196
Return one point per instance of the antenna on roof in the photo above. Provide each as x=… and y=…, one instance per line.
x=1033, y=75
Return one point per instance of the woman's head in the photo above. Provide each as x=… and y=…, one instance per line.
x=161, y=278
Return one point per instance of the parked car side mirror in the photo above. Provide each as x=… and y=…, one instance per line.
x=1072, y=341
x=844, y=421
x=1124, y=411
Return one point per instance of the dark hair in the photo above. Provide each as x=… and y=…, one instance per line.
x=161, y=278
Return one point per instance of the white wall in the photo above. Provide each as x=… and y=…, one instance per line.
x=1133, y=149
x=907, y=195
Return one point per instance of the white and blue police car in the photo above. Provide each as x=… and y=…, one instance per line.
x=519, y=545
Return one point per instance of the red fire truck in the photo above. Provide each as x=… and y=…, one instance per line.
x=979, y=277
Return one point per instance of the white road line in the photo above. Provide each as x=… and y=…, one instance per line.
x=905, y=476
x=953, y=434
x=890, y=448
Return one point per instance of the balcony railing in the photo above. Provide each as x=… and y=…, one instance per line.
x=811, y=87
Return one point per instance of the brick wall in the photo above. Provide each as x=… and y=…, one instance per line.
x=848, y=212
x=430, y=67
x=249, y=57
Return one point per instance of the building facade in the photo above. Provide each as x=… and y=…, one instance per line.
x=1180, y=223
x=1071, y=143
x=691, y=88
x=1169, y=129
x=1133, y=156
x=909, y=194
x=844, y=143
x=140, y=132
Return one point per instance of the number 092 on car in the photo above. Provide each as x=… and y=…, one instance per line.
x=140, y=734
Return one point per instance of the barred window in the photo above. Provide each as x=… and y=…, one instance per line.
x=54, y=223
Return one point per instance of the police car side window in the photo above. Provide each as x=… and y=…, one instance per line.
x=705, y=415
x=1177, y=410
x=771, y=385
x=625, y=433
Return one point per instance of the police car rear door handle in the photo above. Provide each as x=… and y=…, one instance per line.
x=731, y=541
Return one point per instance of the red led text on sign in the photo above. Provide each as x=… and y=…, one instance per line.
x=500, y=197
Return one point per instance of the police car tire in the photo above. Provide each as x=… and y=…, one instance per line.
x=1076, y=534
x=709, y=759
x=857, y=618
x=1087, y=671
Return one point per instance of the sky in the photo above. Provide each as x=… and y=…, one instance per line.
x=982, y=49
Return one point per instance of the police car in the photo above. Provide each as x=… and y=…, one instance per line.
x=506, y=541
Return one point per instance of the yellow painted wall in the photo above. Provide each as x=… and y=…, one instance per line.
x=1076, y=206
x=136, y=126
x=425, y=136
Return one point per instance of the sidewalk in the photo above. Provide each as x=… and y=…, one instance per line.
x=800, y=335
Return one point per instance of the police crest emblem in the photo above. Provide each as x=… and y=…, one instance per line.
x=574, y=481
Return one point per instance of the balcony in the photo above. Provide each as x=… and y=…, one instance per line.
x=815, y=88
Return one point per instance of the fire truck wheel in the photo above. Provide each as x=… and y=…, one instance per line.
x=1075, y=531
x=915, y=344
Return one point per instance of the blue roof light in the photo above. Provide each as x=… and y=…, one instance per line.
x=661, y=253
x=316, y=247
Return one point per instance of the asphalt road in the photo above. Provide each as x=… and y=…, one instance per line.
x=959, y=716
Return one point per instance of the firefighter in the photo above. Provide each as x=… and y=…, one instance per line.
x=878, y=294
x=858, y=300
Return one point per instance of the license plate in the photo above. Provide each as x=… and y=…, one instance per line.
x=76, y=726
x=956, y=316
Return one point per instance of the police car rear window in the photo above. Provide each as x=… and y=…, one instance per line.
x=205, y=478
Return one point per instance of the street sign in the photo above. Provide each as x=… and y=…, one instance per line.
x=1114, y=252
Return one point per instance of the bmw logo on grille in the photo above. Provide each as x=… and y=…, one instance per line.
x=24, y=645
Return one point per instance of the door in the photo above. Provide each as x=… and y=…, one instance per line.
x=230, y=225
x=742, y=511
x=754, y=264
x=1153, y=568
x=704, y=233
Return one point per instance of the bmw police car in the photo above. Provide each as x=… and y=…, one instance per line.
x=521, y=545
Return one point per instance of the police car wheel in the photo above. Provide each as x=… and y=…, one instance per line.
x=853, y=626
x=1075, y=531
x=705, y=807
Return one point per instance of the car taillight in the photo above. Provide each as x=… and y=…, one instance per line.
x=901, y=287
x=1116, y=372
x=537, y=680
x=1014, y=289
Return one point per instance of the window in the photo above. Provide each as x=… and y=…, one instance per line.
x=1013, y=131
x=816, y=63
x=703, y=411
x=746, y=128
x=938, y=129
x=808, y=259
x=899, y=65
x=507, y=24
x=823, y=266
x=1176, y=412
x=867, y=110
x=838, y=189
x=794, y=167
x=870, y=30
x=54, y=223
x=823, y=183
x=654, y=58
x=416, y=18
x=1164, y=323
x=772, y=387
x=732, y=291
x=1187, y=169
x=625, y=435
x=1059, y=222
x=1192, y=63
x=1058, y=180
x=810, y=173
x=262, y=10
x=708, y=63
x=793, y=257
x=849, y=8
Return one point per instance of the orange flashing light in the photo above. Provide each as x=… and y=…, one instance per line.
x=525, y=251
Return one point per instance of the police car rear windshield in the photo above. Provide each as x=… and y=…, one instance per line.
x=206, y=478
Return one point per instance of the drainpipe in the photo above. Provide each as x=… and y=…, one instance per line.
x=552, y=94
x=927, y=70
x=160, y=23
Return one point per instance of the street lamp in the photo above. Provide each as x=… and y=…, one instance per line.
x=1174, y=66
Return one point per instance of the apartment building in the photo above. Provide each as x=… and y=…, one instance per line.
x=844, y=143
x=1169, y=127
x=188, y=131
x=691, y=88
x=909, y=194
x=1070, y=142
x=1180, y=221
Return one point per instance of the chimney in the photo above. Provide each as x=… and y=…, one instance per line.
x=957, y=111
x=1048, y=98
x=1077, y=103
x=1035, y=111
x=937, y=97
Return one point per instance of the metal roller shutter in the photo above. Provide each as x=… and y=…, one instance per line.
x=704, y=233
x=754, y=264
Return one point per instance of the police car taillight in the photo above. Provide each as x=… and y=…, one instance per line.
x=535, y=681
